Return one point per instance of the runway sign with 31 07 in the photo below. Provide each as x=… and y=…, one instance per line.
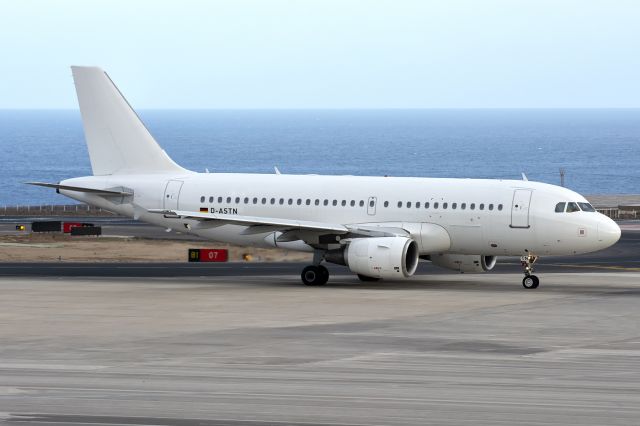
x=208, y=255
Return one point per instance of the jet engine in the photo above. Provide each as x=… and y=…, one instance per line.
x=464, y=262
x=380, y=257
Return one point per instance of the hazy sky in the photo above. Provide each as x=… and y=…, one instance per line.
x=326, y=54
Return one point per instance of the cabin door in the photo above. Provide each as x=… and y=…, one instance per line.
x=371, y=206
x=172, y=194
x=520, y=208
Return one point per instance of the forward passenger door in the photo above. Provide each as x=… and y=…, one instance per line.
x=520, y=208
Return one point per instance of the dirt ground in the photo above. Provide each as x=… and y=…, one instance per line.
x=59, y=247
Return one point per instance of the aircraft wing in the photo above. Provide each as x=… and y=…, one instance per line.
x=257, y=221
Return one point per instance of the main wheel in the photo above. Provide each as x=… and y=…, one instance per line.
x=530, y=282
x=324, y=272
x=367, y=278
x=314, y=275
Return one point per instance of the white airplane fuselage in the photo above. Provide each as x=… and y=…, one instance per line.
x=480, y=216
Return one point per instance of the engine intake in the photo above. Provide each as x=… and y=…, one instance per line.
x=382, y=257
x=465, y=262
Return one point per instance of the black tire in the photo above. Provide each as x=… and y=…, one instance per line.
x=366, y=278
x=324, y=272
x=530, y=282
x=314, y=275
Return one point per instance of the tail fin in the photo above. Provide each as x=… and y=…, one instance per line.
x=118, y=141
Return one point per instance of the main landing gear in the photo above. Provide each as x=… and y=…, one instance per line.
x=529, y=281
x=315, y=275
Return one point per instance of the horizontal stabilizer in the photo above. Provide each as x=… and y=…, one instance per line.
x=80, y=189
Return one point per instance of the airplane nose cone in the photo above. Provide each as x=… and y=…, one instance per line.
x=608, y=232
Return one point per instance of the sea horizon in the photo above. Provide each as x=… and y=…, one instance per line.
x=599, y=148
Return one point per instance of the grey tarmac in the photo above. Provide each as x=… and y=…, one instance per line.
x=264, y=350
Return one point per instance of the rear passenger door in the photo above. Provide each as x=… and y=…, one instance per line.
x=172, y=194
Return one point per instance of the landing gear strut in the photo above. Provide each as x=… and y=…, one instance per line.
x=529, y=281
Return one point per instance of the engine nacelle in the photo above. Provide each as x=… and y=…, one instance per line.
x=465, y=262
x=382, y=257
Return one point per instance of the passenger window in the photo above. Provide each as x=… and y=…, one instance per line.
x=299, y=201
x=408, y=204
x=353, y=203
x=454, y=205
x=444, y=205
x=219, y=199
x=500, y=207
x=426, y=205
x=586, y=207
x=490, y=206
x=211, y=199
x=317, y=202
x=255, y=200
x=335, y=202
x=228, y=199
x=417, y=204
x=435, y=205
x=281, y=201
x=371, y=203
x=246, y=200
x=273, y=201
x=290, y=202
x=560, y=207
x=309, y=202
x=472, y=206
x=386, y=204
x=399, y=204
x=326, y=202
x=264, y=201
x=344, y=203
x=463, y=206
x=481, y=206
x=237, y=200
x=361, y=203
x=202, y=199
x=572, y=207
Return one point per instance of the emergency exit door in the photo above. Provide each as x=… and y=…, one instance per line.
x=371, y=206
x=172, y=194
x=520, y=208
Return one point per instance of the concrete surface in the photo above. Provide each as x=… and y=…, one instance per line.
x=241, y=350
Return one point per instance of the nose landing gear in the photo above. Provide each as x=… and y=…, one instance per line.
x=529, y=281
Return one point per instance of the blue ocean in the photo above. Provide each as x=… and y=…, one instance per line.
x=598, y=149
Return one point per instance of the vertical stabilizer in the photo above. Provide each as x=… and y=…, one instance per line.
x=117, y=140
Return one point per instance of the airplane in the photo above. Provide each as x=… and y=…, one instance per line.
x=379, y=227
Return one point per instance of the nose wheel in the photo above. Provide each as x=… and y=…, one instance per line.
x=315, y=275
x=529, y=281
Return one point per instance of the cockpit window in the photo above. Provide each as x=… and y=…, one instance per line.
x=560, y=207
x=572, y=207
x=586, y=207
